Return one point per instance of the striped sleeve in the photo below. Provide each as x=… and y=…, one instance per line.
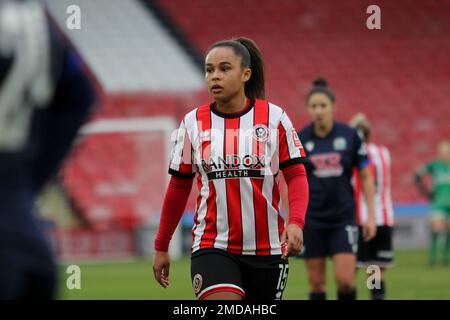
x=371, y=154
x=290, y=147
x=181, y=159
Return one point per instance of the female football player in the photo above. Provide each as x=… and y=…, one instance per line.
x=236, y=146
x=378, y=251
x=333, y=150
x=439, y=196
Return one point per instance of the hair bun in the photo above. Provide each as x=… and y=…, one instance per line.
x=320, y=82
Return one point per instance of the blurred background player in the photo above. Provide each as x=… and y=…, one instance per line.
x=333, y=150
x=439, y=197
x=237, y=145
x=377, y=251
x=44, y=99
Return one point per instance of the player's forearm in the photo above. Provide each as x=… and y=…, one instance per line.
x=368, y=189
x=298, y=193
x=285, y=202
x=174, y=203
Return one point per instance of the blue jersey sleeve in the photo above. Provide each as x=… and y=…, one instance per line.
x=361, y=159
x=72, y=103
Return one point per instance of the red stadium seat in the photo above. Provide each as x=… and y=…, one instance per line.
x=396, y=75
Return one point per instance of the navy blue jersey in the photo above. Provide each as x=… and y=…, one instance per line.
x=45, y=96
x=331, y=163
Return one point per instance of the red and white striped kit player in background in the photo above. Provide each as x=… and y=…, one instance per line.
x=377, y=251
x=236, y=147
x=380, y=160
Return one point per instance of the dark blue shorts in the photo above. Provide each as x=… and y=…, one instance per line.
x=326, y=242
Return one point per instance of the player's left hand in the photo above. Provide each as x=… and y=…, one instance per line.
x=161, y=266
x=292, y=238
x=369, y=230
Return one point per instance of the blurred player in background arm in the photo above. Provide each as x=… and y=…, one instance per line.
x=237, y=146
x=377, y=251
x=439, y=197
x=333, y=151
x=45, y=97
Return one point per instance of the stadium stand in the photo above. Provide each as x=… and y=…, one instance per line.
x=127, y=48
x=116, y=181
x=398, y=76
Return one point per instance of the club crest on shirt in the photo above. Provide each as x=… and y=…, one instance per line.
x=261, y=132
x=339, y=143
x=309, y=146
x=197, y=282
x=297, y=141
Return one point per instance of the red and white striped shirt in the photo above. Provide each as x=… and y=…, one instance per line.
x=237, y=158
x=381, y=168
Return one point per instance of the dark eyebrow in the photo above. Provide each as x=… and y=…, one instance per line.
x=220, y=64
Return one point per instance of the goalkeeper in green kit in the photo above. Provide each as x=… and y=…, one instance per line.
x=439, y=196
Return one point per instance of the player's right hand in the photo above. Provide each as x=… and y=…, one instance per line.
x=292, y=238
x=161, y=266
x=369, y=230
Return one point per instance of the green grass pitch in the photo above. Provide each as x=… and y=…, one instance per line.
x=411, y=278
